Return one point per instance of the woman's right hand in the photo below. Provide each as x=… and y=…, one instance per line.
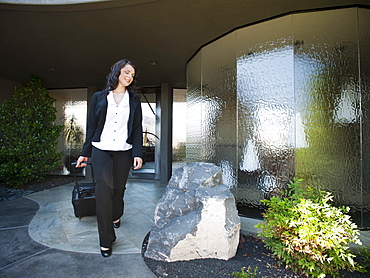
x=80, y=161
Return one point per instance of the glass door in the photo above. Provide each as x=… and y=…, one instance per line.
x=148, y=105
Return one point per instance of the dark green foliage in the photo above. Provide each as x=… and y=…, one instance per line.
x=365, y=255
x=307, y=233
x=28, y=134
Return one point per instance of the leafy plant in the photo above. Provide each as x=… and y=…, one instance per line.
x=365, y=255
x=29, y=136
x=73, y=133
x=248, y=274
x=307, y=233
x=73, y=140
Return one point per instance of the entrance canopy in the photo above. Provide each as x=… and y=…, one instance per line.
x=73, y=45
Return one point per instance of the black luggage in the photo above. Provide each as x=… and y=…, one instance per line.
x=83, y=195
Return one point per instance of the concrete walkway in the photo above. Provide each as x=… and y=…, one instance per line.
x=41, y=237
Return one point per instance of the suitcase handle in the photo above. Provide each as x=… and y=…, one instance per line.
x=74, y=172
x=87, y=162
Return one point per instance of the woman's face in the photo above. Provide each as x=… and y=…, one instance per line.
x=126, y=76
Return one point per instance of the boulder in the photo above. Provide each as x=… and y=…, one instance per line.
x=196, y=217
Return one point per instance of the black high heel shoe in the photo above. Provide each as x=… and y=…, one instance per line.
x=106, y=253
x=117, y=224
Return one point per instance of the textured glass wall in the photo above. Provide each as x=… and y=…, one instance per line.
x=219, y=104
x=211, y=113
x=283, y=98
x=265, y=111
x=328, y=100
x=194, y=142
x=364, y=88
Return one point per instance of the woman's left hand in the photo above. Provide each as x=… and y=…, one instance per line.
x=138, y=162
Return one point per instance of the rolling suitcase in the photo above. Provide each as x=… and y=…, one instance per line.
x=83, y=195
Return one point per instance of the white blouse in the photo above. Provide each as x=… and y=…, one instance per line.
x=114, y=134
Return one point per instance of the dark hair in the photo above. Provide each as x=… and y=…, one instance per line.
x=112, y=77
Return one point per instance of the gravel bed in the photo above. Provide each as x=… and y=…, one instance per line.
x=251, y=252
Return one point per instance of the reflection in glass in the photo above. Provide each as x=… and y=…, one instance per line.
x=71, y=107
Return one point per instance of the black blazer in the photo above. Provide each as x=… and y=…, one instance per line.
x=96, y=119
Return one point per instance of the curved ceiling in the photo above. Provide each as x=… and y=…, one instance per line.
x=50, y=2
x=74, y=45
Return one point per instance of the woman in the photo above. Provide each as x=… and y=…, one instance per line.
x=114, y=143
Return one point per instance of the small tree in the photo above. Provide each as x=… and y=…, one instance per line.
x=28, y=134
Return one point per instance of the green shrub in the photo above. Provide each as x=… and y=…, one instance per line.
x=307, y=233
x=28, y=134
x=365, y=256
x=248, y=274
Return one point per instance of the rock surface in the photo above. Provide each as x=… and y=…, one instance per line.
x=196, y=218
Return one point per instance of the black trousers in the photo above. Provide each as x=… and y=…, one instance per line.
x=111, y=169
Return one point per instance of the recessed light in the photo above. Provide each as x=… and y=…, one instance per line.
x=153, y=63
